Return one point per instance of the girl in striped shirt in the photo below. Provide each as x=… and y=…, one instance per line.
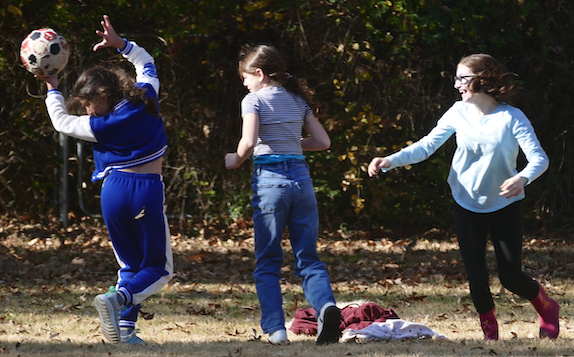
x=274, y=114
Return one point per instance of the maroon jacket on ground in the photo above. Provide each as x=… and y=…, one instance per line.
x=355, y=317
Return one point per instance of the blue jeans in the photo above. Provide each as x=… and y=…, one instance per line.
x=283, y=196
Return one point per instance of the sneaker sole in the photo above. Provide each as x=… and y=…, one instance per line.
x=331, y=332
x=105, y=309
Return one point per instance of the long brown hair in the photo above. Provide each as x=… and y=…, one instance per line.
x=269, y=60
x=491, y=77
x=100, y=83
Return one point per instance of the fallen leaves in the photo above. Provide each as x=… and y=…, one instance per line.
x=80, y=256
x=184, y=329
x=236, y=333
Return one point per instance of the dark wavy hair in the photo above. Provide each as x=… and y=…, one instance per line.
x=99, y=83
x=491, y=78
x=269, y=60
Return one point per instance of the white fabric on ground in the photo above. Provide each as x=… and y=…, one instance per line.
x=392, y=329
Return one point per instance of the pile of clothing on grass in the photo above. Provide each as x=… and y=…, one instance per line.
x=364, y=322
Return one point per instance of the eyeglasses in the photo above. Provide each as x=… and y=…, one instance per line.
x=464, y=79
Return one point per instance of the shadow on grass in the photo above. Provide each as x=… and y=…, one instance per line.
x=407, y=347
x=367, y=258
x=213, y=283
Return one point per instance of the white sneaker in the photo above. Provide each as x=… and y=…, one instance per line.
x=129, y=336
x=328, y=324
x=109, y=310
x=279, y=337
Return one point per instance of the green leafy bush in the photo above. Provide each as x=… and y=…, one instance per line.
x=382, y=72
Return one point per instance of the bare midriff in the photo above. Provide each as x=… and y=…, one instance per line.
x=153, y=167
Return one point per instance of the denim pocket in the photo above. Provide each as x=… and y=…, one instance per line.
x=308, y=193
x=267, y=197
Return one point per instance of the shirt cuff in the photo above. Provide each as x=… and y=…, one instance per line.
x=126, y=43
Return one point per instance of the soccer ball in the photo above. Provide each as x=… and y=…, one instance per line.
x=44, y=52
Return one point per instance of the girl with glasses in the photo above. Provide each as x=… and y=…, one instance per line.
x=486, y=186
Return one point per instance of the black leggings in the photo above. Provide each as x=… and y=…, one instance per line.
x=505, y=227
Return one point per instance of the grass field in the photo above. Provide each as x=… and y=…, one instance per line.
x=48, y=280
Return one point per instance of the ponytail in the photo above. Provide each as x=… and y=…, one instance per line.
x=269, y=60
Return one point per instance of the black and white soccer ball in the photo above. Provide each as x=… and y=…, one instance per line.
x=44, y=52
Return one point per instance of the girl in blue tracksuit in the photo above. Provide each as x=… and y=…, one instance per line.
x=486, y=186
x=122, y=121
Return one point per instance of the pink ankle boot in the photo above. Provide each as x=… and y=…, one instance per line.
x=548, y=314
x=489, y=325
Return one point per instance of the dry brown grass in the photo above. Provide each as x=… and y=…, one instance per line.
x=210, y=307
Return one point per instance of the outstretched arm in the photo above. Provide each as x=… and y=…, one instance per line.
x=77, y=126
x=143, y=62
x=378, y=163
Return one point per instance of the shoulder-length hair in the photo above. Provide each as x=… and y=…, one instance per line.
x=491, y=77
x=100, y=83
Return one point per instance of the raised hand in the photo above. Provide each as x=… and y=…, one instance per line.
x=109, y=36
x=51, y=80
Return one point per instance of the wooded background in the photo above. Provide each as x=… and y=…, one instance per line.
x=382, y=72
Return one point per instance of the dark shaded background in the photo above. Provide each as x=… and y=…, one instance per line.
x=382, y=72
